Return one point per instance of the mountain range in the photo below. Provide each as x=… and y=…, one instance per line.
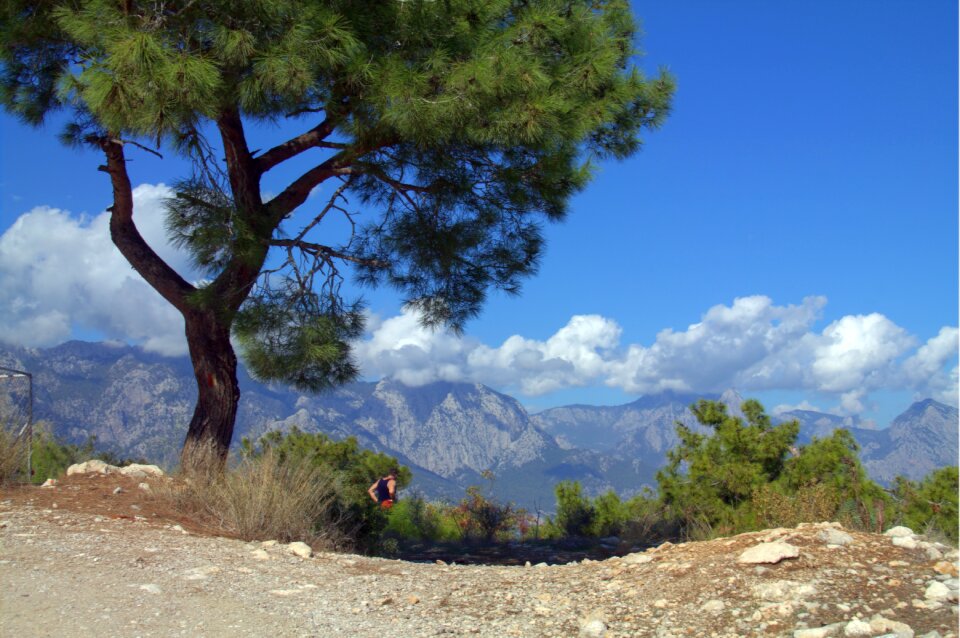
x=138, y=404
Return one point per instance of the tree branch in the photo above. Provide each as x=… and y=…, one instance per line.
x=241, y=167
x=128, y=240
x=298, y=190
x=326, y=252
x=312, y=138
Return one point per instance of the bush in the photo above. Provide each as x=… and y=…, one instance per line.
x=353, y=467
x=265, y=497
x=930, y=507
x=483, y=518
x=810, y=503
x=13, y=457
x=575, y=513
x=414, y=518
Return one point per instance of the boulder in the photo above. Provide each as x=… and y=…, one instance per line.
x=300, y=549
x=768, y=553
x=93, y=466
x=899, y=531
x=139, y=470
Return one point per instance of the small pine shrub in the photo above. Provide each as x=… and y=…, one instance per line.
x=930, y=506
x=575, y=513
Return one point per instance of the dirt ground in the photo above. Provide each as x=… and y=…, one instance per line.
x=83, y=556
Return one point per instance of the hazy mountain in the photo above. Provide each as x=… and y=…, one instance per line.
x=139, y=405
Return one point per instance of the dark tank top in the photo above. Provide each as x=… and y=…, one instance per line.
x=383, y=491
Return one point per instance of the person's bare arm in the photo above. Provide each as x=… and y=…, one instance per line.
x=372, y=491
x=392, y=489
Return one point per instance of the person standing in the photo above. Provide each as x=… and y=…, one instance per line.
x=384, y=490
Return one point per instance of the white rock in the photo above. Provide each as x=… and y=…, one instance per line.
x=637, y=559
x=93, y=466
x=768, y=553
x=144, y=486
x=50, y=482
x=899, y=531
x=881, y=625
x=937, y=591
x=300, y=549
x=713, y=605
x=832, y=536
x=784, y=590
x=270, y=543
x=820, y=632
x=118, y=490
x=150, y=588
x=260, y=554
x=593, y=626
x=857, y=628
x=139, y=470
x=907, y=542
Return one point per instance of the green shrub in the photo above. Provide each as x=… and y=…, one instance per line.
x=745, y=475
x=575, y=513
x=930, y=507
x=414, y=518
x=610, y=515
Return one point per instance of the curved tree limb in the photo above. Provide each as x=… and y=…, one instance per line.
x=128, y=240
x=313, y=138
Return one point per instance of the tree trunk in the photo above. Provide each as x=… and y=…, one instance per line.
x=215, y=367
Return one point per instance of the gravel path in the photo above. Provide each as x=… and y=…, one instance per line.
x=68, y=572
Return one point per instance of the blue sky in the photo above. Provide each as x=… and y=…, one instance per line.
x=790, y=232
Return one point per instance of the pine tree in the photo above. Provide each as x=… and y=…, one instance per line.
x=458, y=128
x=708, y=477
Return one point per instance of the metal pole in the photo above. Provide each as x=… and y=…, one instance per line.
x=30, y=431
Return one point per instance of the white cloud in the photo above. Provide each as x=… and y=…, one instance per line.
x=923, y=370
x=855, y=352
x=753, y=345
x=60, y=273
x=737, y=346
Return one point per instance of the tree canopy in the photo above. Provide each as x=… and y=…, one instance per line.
x=446, y=133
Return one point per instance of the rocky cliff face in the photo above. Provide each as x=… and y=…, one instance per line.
x=139, y=405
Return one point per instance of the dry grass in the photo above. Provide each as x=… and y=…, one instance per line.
x=810, y=504
x=262, y=499
x=13, y=457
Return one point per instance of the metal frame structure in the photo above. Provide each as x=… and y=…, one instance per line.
x=10, y=373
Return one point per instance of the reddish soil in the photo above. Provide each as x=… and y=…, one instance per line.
x=96, y=494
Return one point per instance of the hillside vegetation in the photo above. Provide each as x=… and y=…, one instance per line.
x=743, y=474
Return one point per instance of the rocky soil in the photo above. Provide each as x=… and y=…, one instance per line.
x=78, y=558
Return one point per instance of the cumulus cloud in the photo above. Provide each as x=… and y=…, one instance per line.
x=60, y=273
x=923, y=370
x=752, y=344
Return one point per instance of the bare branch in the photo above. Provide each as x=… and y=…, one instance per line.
x=138, y=145
x=332, y=204
x=326, y=252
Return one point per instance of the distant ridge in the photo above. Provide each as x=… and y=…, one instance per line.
x=139, y=404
